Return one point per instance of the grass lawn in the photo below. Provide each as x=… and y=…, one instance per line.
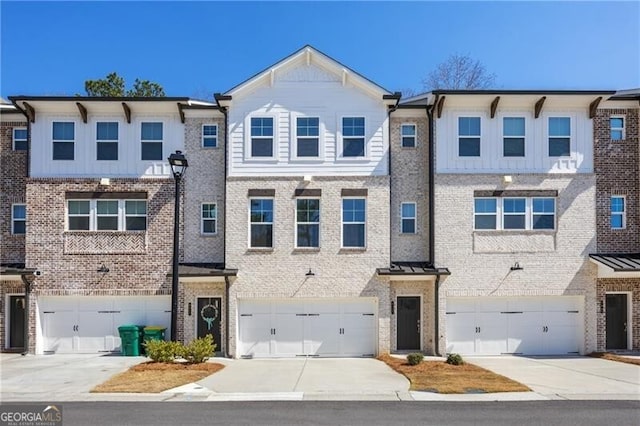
x=613, y=357
x=438, y=376
x=154, y=377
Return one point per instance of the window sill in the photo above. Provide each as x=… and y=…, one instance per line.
x=208, y=235
x=353, y=159
x=260, y=250
x=306, y=249
x=407, y=234
x=209, y=147
x=352, y=249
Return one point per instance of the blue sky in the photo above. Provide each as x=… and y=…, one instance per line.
x=197, y=48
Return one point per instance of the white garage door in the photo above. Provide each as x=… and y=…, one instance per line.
x=89, y=324
x=523, y=325
x=305, y=327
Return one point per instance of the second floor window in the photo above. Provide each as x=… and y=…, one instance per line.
x=20, y=139
x=617, y=128
x=353, y=144
x=262, y=137
x=408, y=134
x=618, y=213
x=18, y=219
x=107, y=140
x=261, y=223
x=106, y=215
x=209, y=135
x=307, y=136
x=63, y=140
x=513, y=136
x=209, y=217
x=534, y=213
x=308, y=222
x=408, y=218
x=151, y=140
x=559, y=136
x=353, y=222
x=469, y=136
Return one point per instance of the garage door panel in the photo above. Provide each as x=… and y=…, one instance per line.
x=289, y=335
x=526, y=304
x=564, y=303
x=289, y=307
x=322, y=333
x=255, y=334
x=491, y=305
x=461, y=333
x=358, y=306
x=461, y=305
x=492, y=337
x=561, y=340
x=524, y=332
x=97, y=303
x=58, y=332
x=358, y=334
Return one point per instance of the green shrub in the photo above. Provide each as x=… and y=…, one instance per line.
x=163, y=351
x=415, y=358
x=199, y=350
x=455, y=359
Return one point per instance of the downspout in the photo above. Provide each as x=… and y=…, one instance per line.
x=226, y=316
x=27, y=292
x=436, y=288
x=391, y=109
x=436, y=321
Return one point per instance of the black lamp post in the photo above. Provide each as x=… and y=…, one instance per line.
x=179, y=165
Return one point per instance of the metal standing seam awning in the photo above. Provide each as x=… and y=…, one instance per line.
x=203, y=270
x=412, y=269
x=618, y=265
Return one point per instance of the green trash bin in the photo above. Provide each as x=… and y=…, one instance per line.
x=154, y=332
x=130, y=337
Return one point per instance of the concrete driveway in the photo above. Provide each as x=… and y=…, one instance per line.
x=333, y=378
x=568, y=377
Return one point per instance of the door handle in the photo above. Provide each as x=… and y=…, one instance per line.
x=418, y=324
x=625, y=326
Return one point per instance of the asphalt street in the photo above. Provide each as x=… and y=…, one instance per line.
x=353, y=413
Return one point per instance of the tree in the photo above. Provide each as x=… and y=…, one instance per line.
x=113, y=85
x=459, y=72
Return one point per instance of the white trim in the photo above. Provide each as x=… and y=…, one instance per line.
x=99, y=141
x=342, y=223
x=142, y=121
x=13, y=136
x=340, y=139
x=7, y=318
x=524, y=138
x=459, y=136
x=421, y=320
x=572, y=132
x=623, y=213
x=415, y=218
x=202, y=135
x=296, y=223
x=54, y=141
x=415, y=135
x=524, y=213
x=272, y=223
x=497, y=214
x=202, y=219
x=622, y=129
x=629, y=295
x=528, y=213
x=93, y=216
x=13, y=219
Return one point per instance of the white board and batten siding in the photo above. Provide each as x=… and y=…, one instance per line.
x=85, y=163
x=536, y=159
x=308, y=91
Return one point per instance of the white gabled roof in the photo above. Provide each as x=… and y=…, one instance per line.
x=309, y=55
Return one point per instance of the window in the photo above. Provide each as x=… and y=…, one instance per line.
x=107, y=140
x=135, y=213
x=63, y=140
x=618, y=214
x=151, y=137
x=18, y=219
x=408, y=134
x=408, y=218
x=79, y=215
x=469, y=136
x=308, y=222
x=353, y=137
x=544, y=213
x=617, y=128
x=209, y=135
x=559, y=136
x=485, y=213
x=307, y=136
x=261, y=137
x=514, y=213
x=107, y=215
x=209, y=217
x=261, y=220
x=535, y=213
x=353, y=222
x=513, y=136
x=20, y=139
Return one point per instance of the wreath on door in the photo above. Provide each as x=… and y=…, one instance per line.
x=213, y=312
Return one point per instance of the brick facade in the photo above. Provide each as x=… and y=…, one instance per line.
x=630, y=285
x=617, y=173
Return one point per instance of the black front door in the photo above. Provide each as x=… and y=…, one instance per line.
x=16, y=321
x=617, y=321
x=209, y=315
x=408, y=323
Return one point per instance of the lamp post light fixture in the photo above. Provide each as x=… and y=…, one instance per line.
x=179, y=165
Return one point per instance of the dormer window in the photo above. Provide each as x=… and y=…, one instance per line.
x=262, y=137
